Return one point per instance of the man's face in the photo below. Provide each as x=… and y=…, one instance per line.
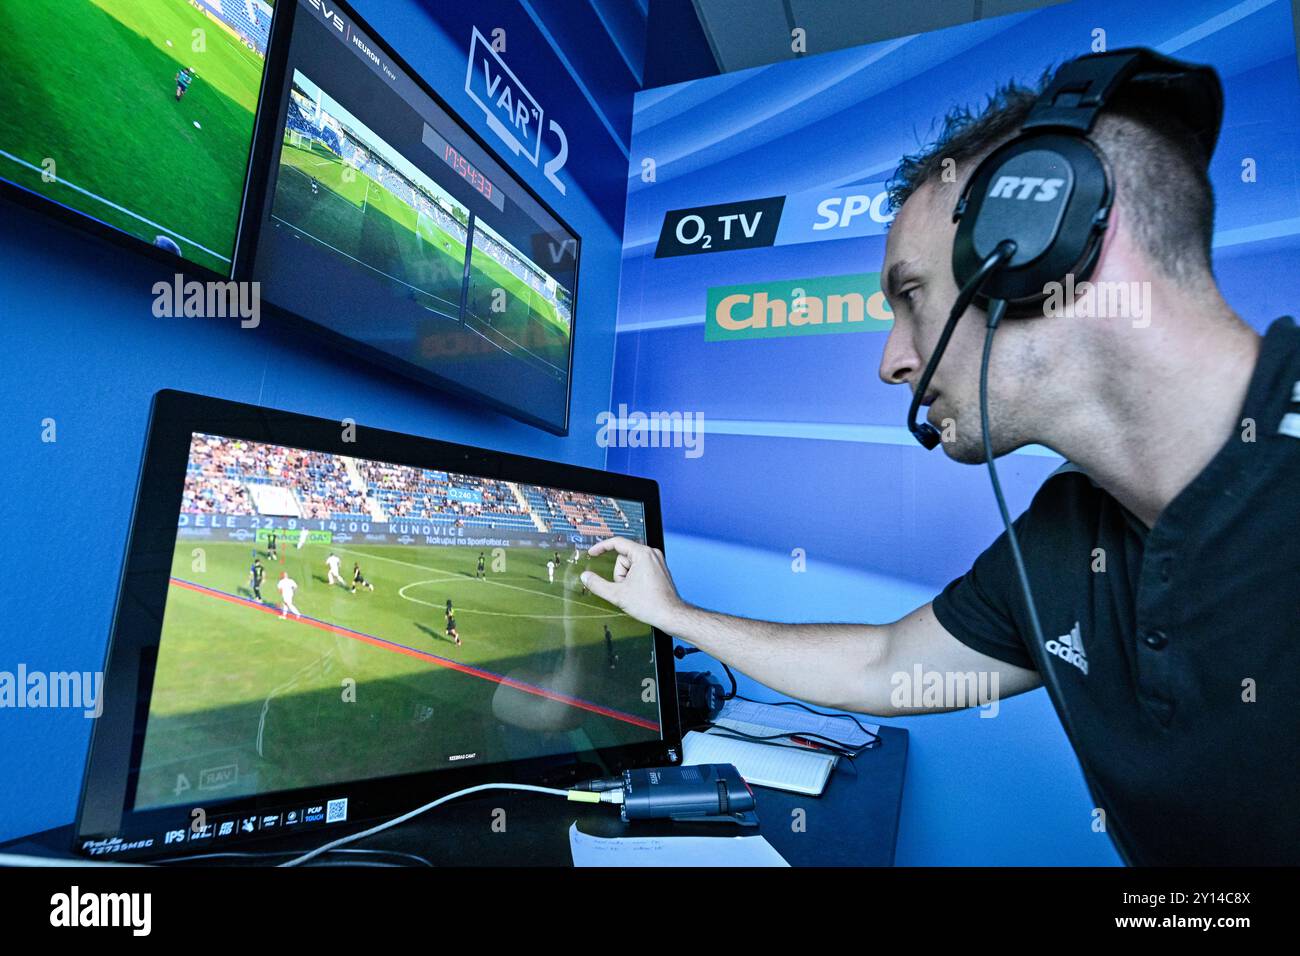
x=918, y=281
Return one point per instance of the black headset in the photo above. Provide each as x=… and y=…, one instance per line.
x=1037, y=207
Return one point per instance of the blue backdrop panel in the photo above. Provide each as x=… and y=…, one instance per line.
x=804, y=447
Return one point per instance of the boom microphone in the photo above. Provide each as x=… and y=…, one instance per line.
x=924, y=432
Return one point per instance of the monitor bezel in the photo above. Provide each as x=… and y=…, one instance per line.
x=266, y=143
x=117, y=735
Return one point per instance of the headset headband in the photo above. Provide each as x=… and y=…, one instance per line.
x=1084, y=86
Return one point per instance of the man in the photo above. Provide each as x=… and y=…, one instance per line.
x=332, y=564
x=610, y=656
x=270, y=546
x=550, y=572
x=255, y=574
x=1164, y=557
x=358, y=581
x=451, y=623
x=481, y=571
x=183, y=80
x=287, y=586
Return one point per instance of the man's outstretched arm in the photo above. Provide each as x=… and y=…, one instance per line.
x=842, y=666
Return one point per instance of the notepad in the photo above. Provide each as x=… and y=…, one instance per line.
x=785, y=768
x=671, y=851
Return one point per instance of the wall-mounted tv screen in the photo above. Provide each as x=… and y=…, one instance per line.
x=387, y=225
x=135, y=117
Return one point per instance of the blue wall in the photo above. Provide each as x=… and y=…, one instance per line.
x=81, y=347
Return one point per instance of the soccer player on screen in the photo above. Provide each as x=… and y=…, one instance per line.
x=357, y=580
x=332, y=563
x=482, y=566
x=183, y=80
x=451, y=624
x=550, y=571
x=270, y=545
x=287, y=586
x=609, y=647
x=255, y=574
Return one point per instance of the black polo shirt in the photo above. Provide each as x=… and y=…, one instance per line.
x=1177, y=667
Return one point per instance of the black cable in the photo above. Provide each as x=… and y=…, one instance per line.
x=731, y=677
x=820, y=713
x=268, y=855
x=681, y=652
x=367, y=863
x=997, y=308
x=836, y=747
x=400, y=853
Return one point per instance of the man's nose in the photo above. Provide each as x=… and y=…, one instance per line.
x=899, y=359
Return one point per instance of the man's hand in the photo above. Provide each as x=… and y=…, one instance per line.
x=642, y=586
x=845, y=666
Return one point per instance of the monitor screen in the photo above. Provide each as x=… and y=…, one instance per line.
x=331, y=618
x=136, y=115
x=388, y=224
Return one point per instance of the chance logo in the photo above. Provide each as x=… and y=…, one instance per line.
x=816, y=306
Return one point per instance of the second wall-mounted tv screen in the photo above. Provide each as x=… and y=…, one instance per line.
x=390, y=226
x=134, y=116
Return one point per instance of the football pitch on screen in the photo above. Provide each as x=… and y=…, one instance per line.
x=370, y=684
x=529, y=320
x=361, y=219
x=91, y=87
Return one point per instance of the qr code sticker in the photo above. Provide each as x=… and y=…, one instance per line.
x=336, y=811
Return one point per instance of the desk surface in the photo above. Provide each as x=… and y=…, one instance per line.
x=853, y=823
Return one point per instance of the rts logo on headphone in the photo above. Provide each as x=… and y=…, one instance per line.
x=1023, y=187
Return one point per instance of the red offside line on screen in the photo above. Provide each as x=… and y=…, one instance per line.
x=426, y=656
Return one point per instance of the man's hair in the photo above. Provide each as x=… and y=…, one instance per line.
x=1157, y=167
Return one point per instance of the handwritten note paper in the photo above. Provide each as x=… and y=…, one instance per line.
x=671, y=851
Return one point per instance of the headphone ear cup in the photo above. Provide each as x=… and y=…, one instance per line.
x=1051, y=195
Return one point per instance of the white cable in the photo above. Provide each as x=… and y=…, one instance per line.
x=416, y=812
x=22, y=859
